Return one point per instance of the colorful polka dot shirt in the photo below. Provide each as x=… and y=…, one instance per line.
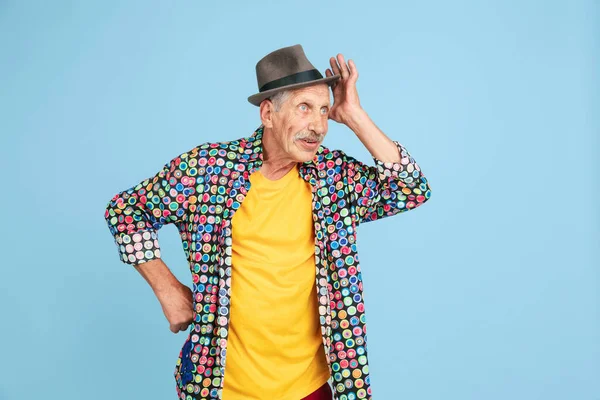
x=200, y=190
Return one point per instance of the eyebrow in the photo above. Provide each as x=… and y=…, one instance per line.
x=310, y=103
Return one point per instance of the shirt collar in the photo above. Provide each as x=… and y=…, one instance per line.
x=251, y=152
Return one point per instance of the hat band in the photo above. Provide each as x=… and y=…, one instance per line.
x=304, y=76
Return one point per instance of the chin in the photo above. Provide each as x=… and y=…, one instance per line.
x=305, y=154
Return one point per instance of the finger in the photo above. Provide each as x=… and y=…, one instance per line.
x=333, y=85
x=334, y=66
x=328, y=74
x=343, y=66
x=353, y=71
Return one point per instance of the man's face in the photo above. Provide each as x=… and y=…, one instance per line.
x=301, y=123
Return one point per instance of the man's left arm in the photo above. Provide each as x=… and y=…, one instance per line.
x=396, y=183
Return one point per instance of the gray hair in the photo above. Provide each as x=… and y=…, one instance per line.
x=279, y=98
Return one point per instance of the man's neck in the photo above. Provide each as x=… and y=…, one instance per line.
x=276, y=164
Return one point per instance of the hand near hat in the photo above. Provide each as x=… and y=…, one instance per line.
x=345, y=95
x=346, y=109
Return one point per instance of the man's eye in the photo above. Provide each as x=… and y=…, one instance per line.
x=303, y=107
x=324, y=110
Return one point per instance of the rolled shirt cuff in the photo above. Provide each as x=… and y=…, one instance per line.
x=138, y=247
x=407, y=170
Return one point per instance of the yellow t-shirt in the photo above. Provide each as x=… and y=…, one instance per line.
x=274, y=350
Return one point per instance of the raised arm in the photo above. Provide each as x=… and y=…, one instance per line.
x=395, y=184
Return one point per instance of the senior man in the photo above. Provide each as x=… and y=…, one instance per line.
x=268, y=225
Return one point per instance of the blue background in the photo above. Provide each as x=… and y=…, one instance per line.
x=489, y=291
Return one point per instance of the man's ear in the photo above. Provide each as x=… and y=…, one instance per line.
x=266, y=113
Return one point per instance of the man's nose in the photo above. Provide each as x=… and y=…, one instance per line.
x=318, y=125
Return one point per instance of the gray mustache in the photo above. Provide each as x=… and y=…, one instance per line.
x=312, y=138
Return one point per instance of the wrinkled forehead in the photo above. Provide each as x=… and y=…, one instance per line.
x=315, y=94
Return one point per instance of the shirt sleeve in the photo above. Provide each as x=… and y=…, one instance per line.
x=135, y=215
x=386, y=189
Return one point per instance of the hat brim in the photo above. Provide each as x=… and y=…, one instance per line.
x=257, y=98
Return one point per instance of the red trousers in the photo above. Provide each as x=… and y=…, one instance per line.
x=322, y=393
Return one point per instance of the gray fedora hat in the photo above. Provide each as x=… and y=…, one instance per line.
x=284, y=69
